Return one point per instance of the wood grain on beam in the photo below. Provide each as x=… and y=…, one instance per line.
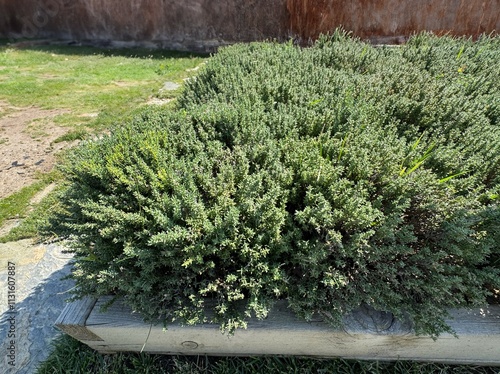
x=367, y=334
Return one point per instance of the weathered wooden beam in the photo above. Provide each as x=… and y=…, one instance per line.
x=367, y=335
x=73, y=318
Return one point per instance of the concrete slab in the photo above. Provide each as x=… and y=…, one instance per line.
x=32, y=296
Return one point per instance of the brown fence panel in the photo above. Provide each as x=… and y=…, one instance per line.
x=394, y=19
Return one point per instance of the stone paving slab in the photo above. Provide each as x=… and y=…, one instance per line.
x=37, y=297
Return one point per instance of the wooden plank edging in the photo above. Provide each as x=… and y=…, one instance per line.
x=366, y=335
x=73, y=318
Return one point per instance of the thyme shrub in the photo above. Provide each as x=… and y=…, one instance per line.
x=331, y=176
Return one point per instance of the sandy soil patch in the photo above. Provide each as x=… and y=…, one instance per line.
x=157, y=101
x=22, y=252
x=26, y=145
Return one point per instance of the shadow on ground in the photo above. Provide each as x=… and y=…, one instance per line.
x=40, y=294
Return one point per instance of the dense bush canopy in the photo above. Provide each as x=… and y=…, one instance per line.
x=330, y=176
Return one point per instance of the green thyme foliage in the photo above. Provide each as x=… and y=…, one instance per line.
x=165, y=220
x=332, y=176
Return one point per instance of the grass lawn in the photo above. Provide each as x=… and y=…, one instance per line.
x=88, y=81
x=93, y=88
x=19, y=205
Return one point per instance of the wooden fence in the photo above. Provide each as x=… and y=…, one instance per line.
x=367, y=335
x=207, y=24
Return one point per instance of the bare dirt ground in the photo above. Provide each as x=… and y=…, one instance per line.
x=26, y=145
